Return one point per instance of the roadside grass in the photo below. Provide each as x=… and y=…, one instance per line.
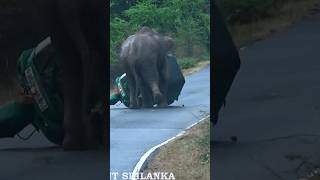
x=311, y=177
x=186, y=63
x=313, y=173
x=197, y=67
x=315, y=178
x=244, y=34
x=191, y=65
x=283, y=17
x=187, y=157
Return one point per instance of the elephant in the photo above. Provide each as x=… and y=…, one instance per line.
x=143, y=56
x=78, y=29
x=81, y=33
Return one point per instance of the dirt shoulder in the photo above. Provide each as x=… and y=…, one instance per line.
x=245, y=34
x=187, y=157
x=290, y=13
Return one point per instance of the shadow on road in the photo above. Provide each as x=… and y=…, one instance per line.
x=42, y=149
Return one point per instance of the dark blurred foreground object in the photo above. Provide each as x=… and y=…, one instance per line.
x=226, y=62
x=40, y=79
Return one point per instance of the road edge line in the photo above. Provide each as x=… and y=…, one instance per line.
x=146, y=155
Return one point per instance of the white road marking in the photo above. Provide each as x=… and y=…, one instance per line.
x=143, y=159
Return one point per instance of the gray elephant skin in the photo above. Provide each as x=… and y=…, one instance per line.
x=143, y=56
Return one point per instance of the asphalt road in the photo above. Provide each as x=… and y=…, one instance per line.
x=133, y=132
x=273, y=109
x=38, y=159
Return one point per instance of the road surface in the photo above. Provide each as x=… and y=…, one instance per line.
x=38, y=159
x=133, y=132
x=273, y=108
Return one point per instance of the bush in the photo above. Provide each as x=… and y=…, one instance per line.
x=186, y=63
x=245, y=11
x=188, y=22
x=119, y=30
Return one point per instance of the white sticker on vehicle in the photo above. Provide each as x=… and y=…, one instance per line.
x=35, y=90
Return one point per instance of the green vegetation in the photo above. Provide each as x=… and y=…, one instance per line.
x=186, y=63
x=190, y=62
x=188, y=22
x=246, y=11
x=251, y=20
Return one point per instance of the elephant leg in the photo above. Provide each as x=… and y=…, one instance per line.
x=73, y=124
x=150, y=76
x=97, y=101
x=164, y=75
x=79, y=116
x=146, y=93
x=142, y=89
x=72, y=83
x=132, y=86
x=147, y=99
x=76, y=36
x=98, y=43
x=94, y=90
x=138, y=83
x=138, y=90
